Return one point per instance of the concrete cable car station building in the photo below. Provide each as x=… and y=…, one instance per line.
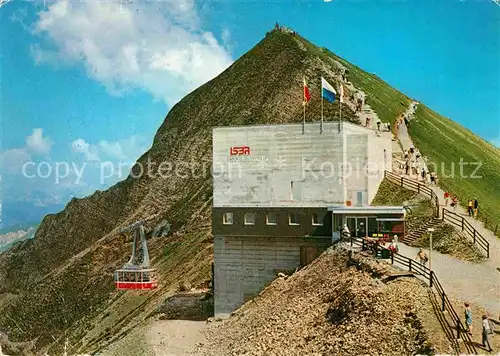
x=281, y=195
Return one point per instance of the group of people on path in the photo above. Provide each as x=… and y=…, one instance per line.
x=472, y=207
x=487, y=330
x=412, y=167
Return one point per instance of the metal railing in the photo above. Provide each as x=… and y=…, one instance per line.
x=446, y=215
x=460, y=222
x=415, y=186
x=453, y=321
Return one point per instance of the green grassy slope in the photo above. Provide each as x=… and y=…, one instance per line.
x=386, y=101
x=447, y=144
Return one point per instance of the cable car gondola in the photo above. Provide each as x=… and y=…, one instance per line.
x=135, y=275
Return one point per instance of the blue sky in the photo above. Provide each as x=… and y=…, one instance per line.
x=87, y=82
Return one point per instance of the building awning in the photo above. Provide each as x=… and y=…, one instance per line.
x=371, y=210
x=389, y=219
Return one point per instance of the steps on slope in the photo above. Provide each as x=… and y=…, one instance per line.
x=418, y=233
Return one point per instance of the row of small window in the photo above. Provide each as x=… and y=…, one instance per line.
x=271, y=219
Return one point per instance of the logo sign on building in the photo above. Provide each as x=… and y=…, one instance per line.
x=242, y=154
x=239, y=150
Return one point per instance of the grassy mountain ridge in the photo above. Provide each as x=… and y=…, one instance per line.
x=60, y=283
x=449, y=146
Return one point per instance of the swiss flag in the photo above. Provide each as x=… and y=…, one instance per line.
x=307, y=94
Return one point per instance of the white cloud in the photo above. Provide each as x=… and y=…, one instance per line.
x=37, y=143
x=124, y=150
x=156, y=46
x=128, y=149
x=89, y=151
x=13, y=160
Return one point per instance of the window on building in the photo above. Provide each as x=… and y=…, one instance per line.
x=271, y=219
x=227, y=218
x=250, y=219
x=293, y=219
x=359, y=200
x=316, y=221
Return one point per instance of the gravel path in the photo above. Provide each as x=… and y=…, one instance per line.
x=477, y=283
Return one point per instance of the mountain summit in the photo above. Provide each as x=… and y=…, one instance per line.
x=59, y=285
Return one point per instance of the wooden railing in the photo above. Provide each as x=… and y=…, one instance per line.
x=446, y=215
x=461, y=223
x=455, y=324
x=415, y=186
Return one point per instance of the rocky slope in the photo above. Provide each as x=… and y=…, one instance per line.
x=337, y=305
x=59, y=285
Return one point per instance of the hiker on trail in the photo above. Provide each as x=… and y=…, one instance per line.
x=412, y=150
x=417, y=168
x=423, y=174
x=389, y=127
x=406, y=154
x=433, y=177
x=428, y=176
x=486, y=333
x=378, y=124
x=468, y=318
x=417, y=155
x=470, y=207
x=454, y=203
x=393, y=247
x=476, y=205
x=422, y=257
x=446, y=198
x=407, y=167
x=346, y=232
x=406, y=121
x=367, y=123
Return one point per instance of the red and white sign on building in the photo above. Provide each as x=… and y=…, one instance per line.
x=239, y=151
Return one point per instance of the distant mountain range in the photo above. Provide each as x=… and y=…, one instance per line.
x=8, y=239
x=24, y=213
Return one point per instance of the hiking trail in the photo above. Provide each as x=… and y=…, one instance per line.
x=477, y=283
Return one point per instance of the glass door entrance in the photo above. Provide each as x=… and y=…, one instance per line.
x=358, y=226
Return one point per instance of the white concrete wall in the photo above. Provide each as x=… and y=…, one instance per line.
x=379, y=160
x=310, y=160
x=245, y=265
x=313, y=161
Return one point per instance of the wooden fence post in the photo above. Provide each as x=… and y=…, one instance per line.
x=474, y=237
x=430, y=278
x=442, y=302
x=392, y=257
x=402, y=181
x=458, y=329
x=463, y=224
x=410, y=266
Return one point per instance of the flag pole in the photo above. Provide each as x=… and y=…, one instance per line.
x=341, y=100
x=340, y=121
x=321, y=125
x=304, y=121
